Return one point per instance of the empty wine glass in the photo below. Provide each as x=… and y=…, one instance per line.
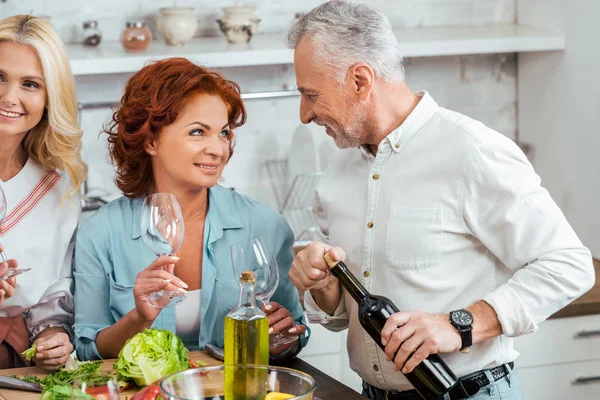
x=97, y=385
x=3, y=258
x=255, y=255
x=162, y=232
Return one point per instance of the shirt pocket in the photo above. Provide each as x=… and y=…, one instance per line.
x=414, y=237
x=121, y=297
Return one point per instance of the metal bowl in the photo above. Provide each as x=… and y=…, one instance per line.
x=237, y=382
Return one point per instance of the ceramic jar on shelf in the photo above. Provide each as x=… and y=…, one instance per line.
x=238, y=23
x=91, y=34
x=177, y=25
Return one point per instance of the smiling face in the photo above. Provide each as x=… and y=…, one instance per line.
x=193, y=150
x=326, y=103
x=22, y=89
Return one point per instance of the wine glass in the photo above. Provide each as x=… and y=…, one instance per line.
x=98, y=385
x=3, y=258
x=255, y=255
x=162, y=232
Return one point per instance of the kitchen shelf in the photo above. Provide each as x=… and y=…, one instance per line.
x=110, y=57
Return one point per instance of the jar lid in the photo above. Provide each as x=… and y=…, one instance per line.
x=135, y=24
x=90, y=24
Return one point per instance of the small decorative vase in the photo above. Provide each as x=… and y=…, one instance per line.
x=239, y=23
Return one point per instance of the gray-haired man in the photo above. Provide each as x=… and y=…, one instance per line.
x=433, y=209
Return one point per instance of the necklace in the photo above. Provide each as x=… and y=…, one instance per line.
x=198, y=213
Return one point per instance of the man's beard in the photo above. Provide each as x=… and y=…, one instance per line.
x=353, y=134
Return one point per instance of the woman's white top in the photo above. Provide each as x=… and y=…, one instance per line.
x=43, y=241
x=187, y=319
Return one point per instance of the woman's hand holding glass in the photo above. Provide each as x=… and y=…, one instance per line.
x=7, y=286
x=282, y=323
x=13, y=271
x=162, y=230
x=255, y=255
x=157, y=277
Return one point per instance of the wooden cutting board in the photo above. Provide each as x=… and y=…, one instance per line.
x=106, y=366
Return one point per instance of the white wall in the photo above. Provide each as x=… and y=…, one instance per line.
x=483, y=87
x=276, y=15
x=559, y=110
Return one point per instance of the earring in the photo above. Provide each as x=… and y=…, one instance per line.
x=152, y=152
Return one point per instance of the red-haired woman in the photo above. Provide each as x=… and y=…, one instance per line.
x=173, y=132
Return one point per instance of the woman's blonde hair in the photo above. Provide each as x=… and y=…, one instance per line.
x=55, y=142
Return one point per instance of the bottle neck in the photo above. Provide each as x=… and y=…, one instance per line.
x=247, y=297
x=349, y=282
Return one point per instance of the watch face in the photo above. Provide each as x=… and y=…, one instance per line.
x=462, y=318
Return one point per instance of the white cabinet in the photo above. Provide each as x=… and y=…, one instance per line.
x=577, y=381
x=326, y=351
x=561, y=360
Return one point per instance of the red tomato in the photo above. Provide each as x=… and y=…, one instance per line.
x=150, y=392
x=98, y=390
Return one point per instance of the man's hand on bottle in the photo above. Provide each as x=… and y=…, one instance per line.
x=410, y=337
x=309, y=270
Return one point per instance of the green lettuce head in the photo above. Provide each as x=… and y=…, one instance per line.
x=150, y=355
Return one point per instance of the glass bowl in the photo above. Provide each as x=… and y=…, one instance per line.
x=237, y=382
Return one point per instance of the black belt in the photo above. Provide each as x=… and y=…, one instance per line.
x=470, y=385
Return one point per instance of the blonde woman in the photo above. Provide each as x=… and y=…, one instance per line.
x=40, y=173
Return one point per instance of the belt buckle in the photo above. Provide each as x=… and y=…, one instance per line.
x=389, y=393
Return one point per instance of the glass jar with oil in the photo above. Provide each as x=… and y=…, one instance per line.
x=246, y=342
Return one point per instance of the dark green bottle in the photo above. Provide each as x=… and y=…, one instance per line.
x=432, y=378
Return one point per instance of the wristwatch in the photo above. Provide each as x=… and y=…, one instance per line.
x=463, y=321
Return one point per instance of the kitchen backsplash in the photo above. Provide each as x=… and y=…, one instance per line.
x=483, y=87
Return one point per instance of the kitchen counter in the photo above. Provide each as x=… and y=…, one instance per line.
x=327, y=387
x=587, y=304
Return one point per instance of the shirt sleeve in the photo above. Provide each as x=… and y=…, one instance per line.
x=55, y=308
x=335, y=323
x=340, y=320
x=320, y=215
x=508, y=210
x=92, y=294
x=286, y=293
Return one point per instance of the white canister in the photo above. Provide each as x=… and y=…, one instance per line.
x=177, y=25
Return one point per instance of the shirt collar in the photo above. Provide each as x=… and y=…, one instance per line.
x=424, y=109
x=222, y=212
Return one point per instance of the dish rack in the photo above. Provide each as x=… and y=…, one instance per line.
x=294, y=196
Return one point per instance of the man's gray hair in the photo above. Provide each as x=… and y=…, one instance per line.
x=345, y=34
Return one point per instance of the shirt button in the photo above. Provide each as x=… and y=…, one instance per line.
x=397, y=145
x=369, y=225
x=366, y=274
x=375, y=368
x=376, y=176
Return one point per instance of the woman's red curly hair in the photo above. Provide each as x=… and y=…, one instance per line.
x=152, y=100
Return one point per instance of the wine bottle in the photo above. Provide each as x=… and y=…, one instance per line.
x=432, y=378
x=246, y=342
